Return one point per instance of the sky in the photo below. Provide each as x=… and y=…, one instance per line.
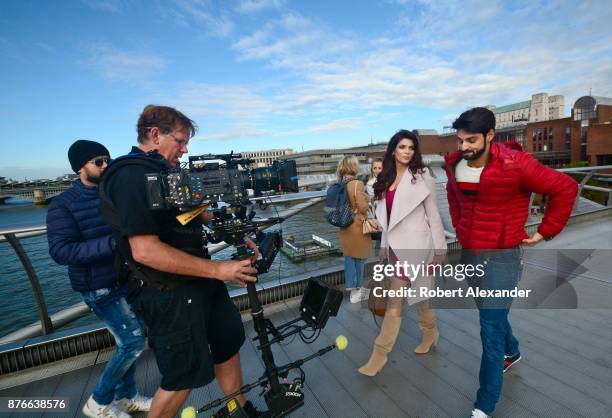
x=263, y=74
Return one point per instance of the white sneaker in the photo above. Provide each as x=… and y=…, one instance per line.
x=357, y=295
x=94, y=410
x=138, y=403
x=477, y=413
x=354, y=298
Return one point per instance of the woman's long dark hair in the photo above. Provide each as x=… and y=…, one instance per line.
x=387, y=176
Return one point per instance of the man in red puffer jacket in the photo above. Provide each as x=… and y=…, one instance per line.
x=489, y=188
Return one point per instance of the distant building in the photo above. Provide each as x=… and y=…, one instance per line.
x=67, y=177
x=591, y=130
x=266, y=158
x=586, y=135
x=325, y=161
x=541, y=107
x=433, y=143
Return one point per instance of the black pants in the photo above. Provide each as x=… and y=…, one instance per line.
x=191, y=328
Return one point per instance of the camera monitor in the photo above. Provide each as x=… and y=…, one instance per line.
x=320, y=301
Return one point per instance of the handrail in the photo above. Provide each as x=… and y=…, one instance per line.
x=587, y=168
x=47, y=323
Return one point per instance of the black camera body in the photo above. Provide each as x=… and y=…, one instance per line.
x=207, y=180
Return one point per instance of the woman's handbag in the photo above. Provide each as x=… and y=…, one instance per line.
x=377, y=305
x=370, y=224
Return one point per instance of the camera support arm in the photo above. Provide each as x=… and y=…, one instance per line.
x=281, y=398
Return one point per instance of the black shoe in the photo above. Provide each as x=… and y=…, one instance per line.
x=510, y=360
x=251, y=411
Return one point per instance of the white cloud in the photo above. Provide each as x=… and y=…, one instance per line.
x=251, y=131
x=246, y=131
x=120, y=65
x=293, y=42
x=204, y=16
x=441, y=55
x=254, y=6
x=347, y=124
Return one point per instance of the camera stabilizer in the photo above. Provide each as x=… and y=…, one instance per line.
x=319, y=302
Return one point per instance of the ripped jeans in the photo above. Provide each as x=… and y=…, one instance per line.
x=110, y=306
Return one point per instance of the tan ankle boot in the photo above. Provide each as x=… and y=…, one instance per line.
x=427, y=323
x=382, y=345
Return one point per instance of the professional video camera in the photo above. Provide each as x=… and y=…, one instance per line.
x=207, y=180
x=202, y=185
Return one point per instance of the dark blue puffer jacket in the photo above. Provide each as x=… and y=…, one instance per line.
x=80, y=239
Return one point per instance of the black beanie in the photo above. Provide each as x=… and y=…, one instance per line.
x=82, y=151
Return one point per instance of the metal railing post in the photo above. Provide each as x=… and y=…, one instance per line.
x=581, y=186
x=47, y=325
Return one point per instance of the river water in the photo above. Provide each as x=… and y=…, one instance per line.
x=17, y=305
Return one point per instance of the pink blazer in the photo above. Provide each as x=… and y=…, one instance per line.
x=415, y=231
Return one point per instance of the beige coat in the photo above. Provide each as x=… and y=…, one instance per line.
x=415, y=230
x=354, y=243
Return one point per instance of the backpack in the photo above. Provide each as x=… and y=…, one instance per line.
x=337, y=208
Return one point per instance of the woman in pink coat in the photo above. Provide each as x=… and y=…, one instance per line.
x=413, y=233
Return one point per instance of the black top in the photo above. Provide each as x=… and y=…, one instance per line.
x=126, y=188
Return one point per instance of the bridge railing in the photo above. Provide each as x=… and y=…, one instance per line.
x=589, y=173
x=49, y=323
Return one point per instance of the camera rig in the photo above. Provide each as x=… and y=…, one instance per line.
x=320, y=301
x=207, y=179
x=206, y=182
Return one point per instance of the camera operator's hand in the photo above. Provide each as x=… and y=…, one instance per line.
x=253, y=247
x=236, y=271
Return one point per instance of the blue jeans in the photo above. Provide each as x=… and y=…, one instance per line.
x=353, y=272
x=110, y=306
x=502, y=270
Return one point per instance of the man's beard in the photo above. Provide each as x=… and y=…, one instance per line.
x=94, y=180
x=476, y=155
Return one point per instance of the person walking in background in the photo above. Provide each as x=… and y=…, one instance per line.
x=80, y=239
x=412, y=233
x=376, y=168
x=489, y=188
x=356, y=246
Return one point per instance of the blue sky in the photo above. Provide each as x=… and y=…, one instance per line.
x=260, y=74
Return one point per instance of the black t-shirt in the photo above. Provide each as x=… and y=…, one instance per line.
x=126, y=188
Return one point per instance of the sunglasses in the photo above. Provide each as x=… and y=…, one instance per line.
x=99, y=162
